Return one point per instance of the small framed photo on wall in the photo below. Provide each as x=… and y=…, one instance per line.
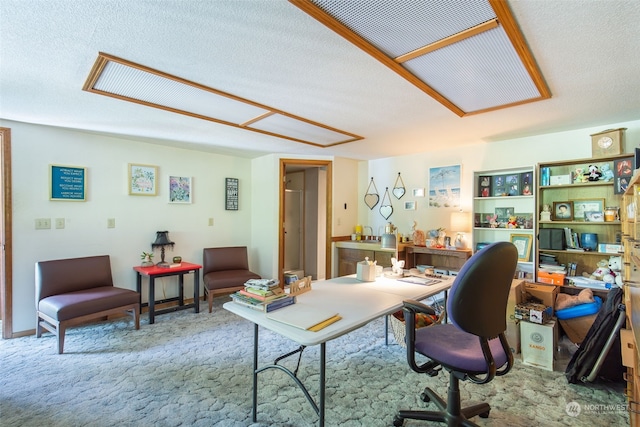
x=180, y=189
x=231, y=194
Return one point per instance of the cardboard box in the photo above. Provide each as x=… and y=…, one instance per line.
x=540, y=293
x=551, y=278
x=513, y=325
x=532, y=312
x=576, y=328
x=539, y=343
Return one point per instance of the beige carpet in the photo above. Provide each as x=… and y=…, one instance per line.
x=192, y=369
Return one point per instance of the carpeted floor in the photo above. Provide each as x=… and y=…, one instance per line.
x=192, y=369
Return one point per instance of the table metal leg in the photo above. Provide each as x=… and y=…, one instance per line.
x=196, y=291
x=181, y=289
x=323, y=353
x=386, y=330
x=152, y=300
x=255, y=372
x=139, y=288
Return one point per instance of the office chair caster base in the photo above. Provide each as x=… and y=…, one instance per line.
x=398, y=421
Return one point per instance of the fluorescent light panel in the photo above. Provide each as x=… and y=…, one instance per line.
x=468, y=55
x=127, y=81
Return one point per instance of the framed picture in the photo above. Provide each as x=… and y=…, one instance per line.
x=503, y=214
x=143, y=180
x=593, y=216
x=522, y=242
x=621, y=184
x=498, y=186
x=418, y=192
x=68, y=183
x=180, y=189
x=410, y=206
x=484, y=186
x=526, y=184
x=231, y=194
x=580, y=206
x=512, y=183
x=562, y=211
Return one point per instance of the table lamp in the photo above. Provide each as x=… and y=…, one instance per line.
x=162, y=240
x=460, y=223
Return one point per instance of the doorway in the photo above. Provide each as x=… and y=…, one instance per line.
x=305, y=218
x=6, y=290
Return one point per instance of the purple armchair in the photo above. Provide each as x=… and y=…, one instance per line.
x=76, y=290
x=224, y=271
x=473, y=346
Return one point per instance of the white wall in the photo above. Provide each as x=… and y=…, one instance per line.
x=514, y=153
x=254, y=225
x=137, y=218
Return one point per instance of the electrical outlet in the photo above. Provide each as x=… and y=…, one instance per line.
x=111, y=223
x=43, y=223
x=59, y=223
x=210, y=222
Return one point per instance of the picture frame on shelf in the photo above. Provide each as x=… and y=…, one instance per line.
x=581, y=206
x=594, y=216
x=484, y=186
x=562, y=211
x=622, y=172
x=143, y=179
x=503, y=214
x=498, y=186
x=526, y=184
x=180, y=189
x=512, y=183
x=523, y=243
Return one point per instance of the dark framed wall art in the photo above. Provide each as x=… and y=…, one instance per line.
x=231, y=194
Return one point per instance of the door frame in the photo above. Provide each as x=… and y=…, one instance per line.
x=328, y=164
x=6, y=251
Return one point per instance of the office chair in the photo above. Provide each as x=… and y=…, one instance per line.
x=473, y=345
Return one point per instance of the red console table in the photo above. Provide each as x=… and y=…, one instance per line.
x=154, y=272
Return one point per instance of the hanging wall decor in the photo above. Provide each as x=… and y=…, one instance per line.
x=371, y=199
x=398, y=187
x=444, y=187
x=386, y=209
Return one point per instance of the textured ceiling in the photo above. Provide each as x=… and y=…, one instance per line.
x=271, y=52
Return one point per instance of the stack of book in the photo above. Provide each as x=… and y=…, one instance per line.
x=263, y=295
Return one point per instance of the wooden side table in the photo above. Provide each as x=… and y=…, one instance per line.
x=154, y=272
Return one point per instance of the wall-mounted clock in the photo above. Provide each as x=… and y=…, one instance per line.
x=607, y=143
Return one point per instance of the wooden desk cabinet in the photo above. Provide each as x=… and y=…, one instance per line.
x=446, y=259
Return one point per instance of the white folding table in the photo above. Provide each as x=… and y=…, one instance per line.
x=356, y=302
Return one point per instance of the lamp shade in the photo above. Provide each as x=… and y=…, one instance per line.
x=162, y=239
x=461, y=222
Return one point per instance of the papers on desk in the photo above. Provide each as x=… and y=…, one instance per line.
x=419, y=280
x=305, y=316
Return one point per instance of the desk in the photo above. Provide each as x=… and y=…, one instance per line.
x=154, y=272
x=447, y=259
x=357, y=303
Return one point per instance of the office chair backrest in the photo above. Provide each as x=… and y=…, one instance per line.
x=477, y=302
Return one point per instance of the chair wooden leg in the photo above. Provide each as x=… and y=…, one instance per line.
x=210, y=300
x=60, y=334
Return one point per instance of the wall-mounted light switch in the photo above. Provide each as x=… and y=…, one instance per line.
x=59, y=223
x=210, y=222
x=111, y=223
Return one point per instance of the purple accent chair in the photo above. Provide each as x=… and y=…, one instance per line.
x=224, y=271
x=76, y=290
x=473, y=345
